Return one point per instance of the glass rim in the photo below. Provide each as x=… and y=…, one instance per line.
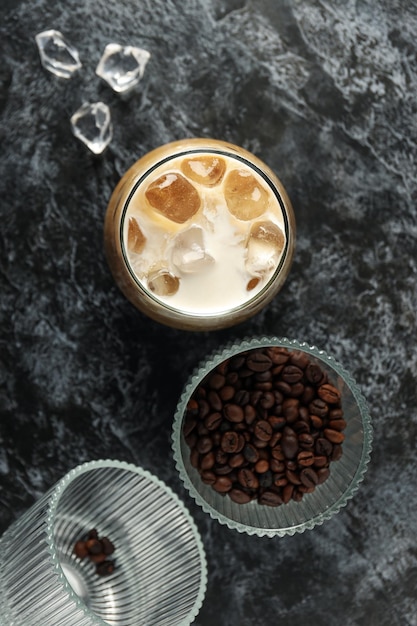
x=230, y=349
x=250, y=301
x=53, y=499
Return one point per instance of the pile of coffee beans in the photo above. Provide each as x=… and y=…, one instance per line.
x=97, y=550
x=265, y=424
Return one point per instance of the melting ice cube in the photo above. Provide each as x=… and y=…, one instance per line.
x=173, y=196
x=162, y=283
x=264, y=246
x=57, y=55
x=122, y=67
x=92, y=125
x=135, y=238
x=188, y=252
x=245, y=197
x=206, y=170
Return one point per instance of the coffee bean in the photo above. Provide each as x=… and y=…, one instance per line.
x=314, y=373
x=239, y=496
x=214, y=400
x=291, y=374
x=227, y=392
x=263, y=430
x=237, y=460
x=251, y=453
x=323, y=447
x=338, y=424
x=258, y=362
x=216, y=381
x=321, y=461
x=223, y=484
x=208, y=477
x=309, y=477
x=305, y=458
x=334, y=435
x=230, y=442
x=262, y=466
x=289, y=445
x=329, y=394
x=270, y=498
x=337, y=452
x=299, y=358
x=287, y=492
x=233, y=412
x=248, y=479
x=268, y=400
x=204, y=445
x=80, y=549
x=249, y=413
x=278, y=355
x=316, y=421
x=213, y=421
x=207, y=461
x=291, y=409
x=323, y=474
x=318, y=407
x=105, y=568
x=293, y=477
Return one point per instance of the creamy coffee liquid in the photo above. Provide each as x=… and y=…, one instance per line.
x=203, y=232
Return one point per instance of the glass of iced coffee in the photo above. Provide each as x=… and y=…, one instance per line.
x=199, y=234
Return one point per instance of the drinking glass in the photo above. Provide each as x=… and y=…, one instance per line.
x=346, y=474
x=160, y=567
x=199, y=234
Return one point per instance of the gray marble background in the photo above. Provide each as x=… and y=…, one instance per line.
x=325, y=92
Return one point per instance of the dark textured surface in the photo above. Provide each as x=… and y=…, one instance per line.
x=326, y=94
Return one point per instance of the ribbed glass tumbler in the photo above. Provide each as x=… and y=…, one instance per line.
x=159, y=575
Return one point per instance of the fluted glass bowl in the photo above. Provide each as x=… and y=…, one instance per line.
x=327, y=498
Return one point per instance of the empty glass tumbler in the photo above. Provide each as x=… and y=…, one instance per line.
x=159, y=563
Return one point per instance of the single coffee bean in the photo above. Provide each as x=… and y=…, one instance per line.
x=249, y=413
x=191, y=439
x=289, y=445
x=223, y=484
x=80, y=549
x=308, y=395
x=297, y=390
x=318, y=407
x=232, y=378
x=202, y=429
x=277, y=453
x=280, y=481
x=316, y=421
x=337, y=452
x=214, y=400
x=335, y=414
x=194, y=458
x=297, y=496
x=314, y=373
x=287, y=492
x=222, y=470
x=329, y=394
x=261, y=466
x=309, y=477
x=93, y=546
x=334, y=436
x=189, y=424
x=237, y=460
x=203, y=409
x=291, y=374
x=283, y=387
x=276, y=422
x=268, y=400
x=221, y=457
x=306, y=440
x=250, y=453
x=292, y=477
x=242, y=397
x=258, y=361
x=213, y=421
x=323, y=447
x=239, y=496
x=216, y=381
x=339, y=424
x=207, y=461
x=208, y=477
x=204, y=445
x=270, y=498
x=299, y=358
x=263, y=430
x=276, y=437
x=321, y=461
x=278, y=355
x=305, y=458
x=230, y=442
x=291, y=409
x=301, y=428
x=248, y=479
x=227, y=392
x=105, y=568
x=260, y=443
x=323, y=474
x=234, y=413
x=305, y=489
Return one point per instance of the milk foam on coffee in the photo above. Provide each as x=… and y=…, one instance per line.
x=203, y=233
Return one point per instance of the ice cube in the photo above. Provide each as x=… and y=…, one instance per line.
x=135, y=238
x=264, y=246
x=173, y=196
x=92, y=125
x=162, y=283
x=245, y=197
x=206, y=170
x=57, y=54
x=122, y=67
x=188, y=252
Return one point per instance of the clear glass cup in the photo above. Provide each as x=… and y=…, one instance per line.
x=327, y=499
x=199, y=234
x=160, y=573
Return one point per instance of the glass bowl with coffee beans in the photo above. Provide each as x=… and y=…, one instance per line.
x=271, y=436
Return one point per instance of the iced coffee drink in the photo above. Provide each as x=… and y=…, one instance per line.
x=199, y=234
